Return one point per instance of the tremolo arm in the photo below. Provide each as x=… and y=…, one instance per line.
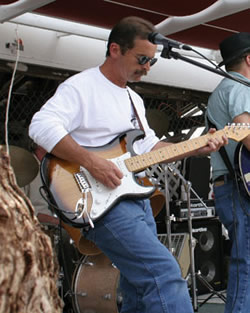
x=82, y=204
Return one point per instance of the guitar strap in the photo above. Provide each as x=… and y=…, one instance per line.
x=224, y=154
x=136, y=113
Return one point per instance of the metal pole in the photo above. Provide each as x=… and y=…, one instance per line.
x=188, y=188
x=191, y=247
x=168, y=217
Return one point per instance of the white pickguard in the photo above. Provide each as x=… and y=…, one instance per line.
x=104, y=198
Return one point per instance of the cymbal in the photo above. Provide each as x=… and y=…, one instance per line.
x=24, y=164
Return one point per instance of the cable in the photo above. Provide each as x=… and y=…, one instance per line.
x=9, y=94
x=221, y=70
x=204, y=57
x=47, y=198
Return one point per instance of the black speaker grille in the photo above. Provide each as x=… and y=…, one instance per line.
x=208, y=252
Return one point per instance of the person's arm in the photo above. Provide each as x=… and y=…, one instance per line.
x=101, y=169
x=244, y=118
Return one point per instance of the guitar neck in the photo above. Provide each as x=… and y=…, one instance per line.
x=140, y=162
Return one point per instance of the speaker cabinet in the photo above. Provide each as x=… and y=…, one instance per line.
x=208, y=252
x=192, y=169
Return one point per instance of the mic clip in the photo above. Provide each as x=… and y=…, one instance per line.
x=167, y=52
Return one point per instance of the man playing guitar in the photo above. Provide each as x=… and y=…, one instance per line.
x=91, y=109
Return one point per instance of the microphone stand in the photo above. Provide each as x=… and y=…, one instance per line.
x=187, y=185
x=168, y=217
x=188, y=188
x=167, y=53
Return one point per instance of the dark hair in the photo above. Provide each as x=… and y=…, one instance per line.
x=233, y=65
x=127, y=30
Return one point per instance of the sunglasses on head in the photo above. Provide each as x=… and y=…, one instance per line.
x=142, y=60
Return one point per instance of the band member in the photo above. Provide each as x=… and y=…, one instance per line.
x=89, y=110
x=230, y=103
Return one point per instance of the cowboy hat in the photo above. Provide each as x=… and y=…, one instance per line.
x=234, y=46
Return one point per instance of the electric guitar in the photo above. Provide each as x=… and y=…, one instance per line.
x=79, y=200
x=242, y=164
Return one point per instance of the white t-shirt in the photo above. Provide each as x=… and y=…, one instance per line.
x=92, y=110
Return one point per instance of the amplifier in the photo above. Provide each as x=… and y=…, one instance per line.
x=180, y=249
x=198, y=211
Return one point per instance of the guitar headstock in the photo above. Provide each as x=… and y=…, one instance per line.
x=237, y=132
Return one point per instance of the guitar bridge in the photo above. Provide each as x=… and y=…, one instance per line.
x=82, y=182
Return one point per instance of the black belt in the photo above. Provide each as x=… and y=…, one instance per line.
x=224, y=178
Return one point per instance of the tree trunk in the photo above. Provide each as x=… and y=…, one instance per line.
x=28, y=267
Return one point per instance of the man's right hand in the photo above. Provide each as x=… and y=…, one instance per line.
x=105, y=172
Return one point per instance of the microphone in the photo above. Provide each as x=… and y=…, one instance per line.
x=159, y=39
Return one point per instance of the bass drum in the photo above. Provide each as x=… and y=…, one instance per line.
x=95, y=286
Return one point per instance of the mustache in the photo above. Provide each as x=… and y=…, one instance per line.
x=141, y=73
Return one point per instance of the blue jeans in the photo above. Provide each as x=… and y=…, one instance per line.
x=150, y=277
x=233, y=211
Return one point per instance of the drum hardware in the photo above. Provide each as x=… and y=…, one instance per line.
x=89, y=263
x=82, y=294
x=108, y=296
x=68, y=258
x=60, y=242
